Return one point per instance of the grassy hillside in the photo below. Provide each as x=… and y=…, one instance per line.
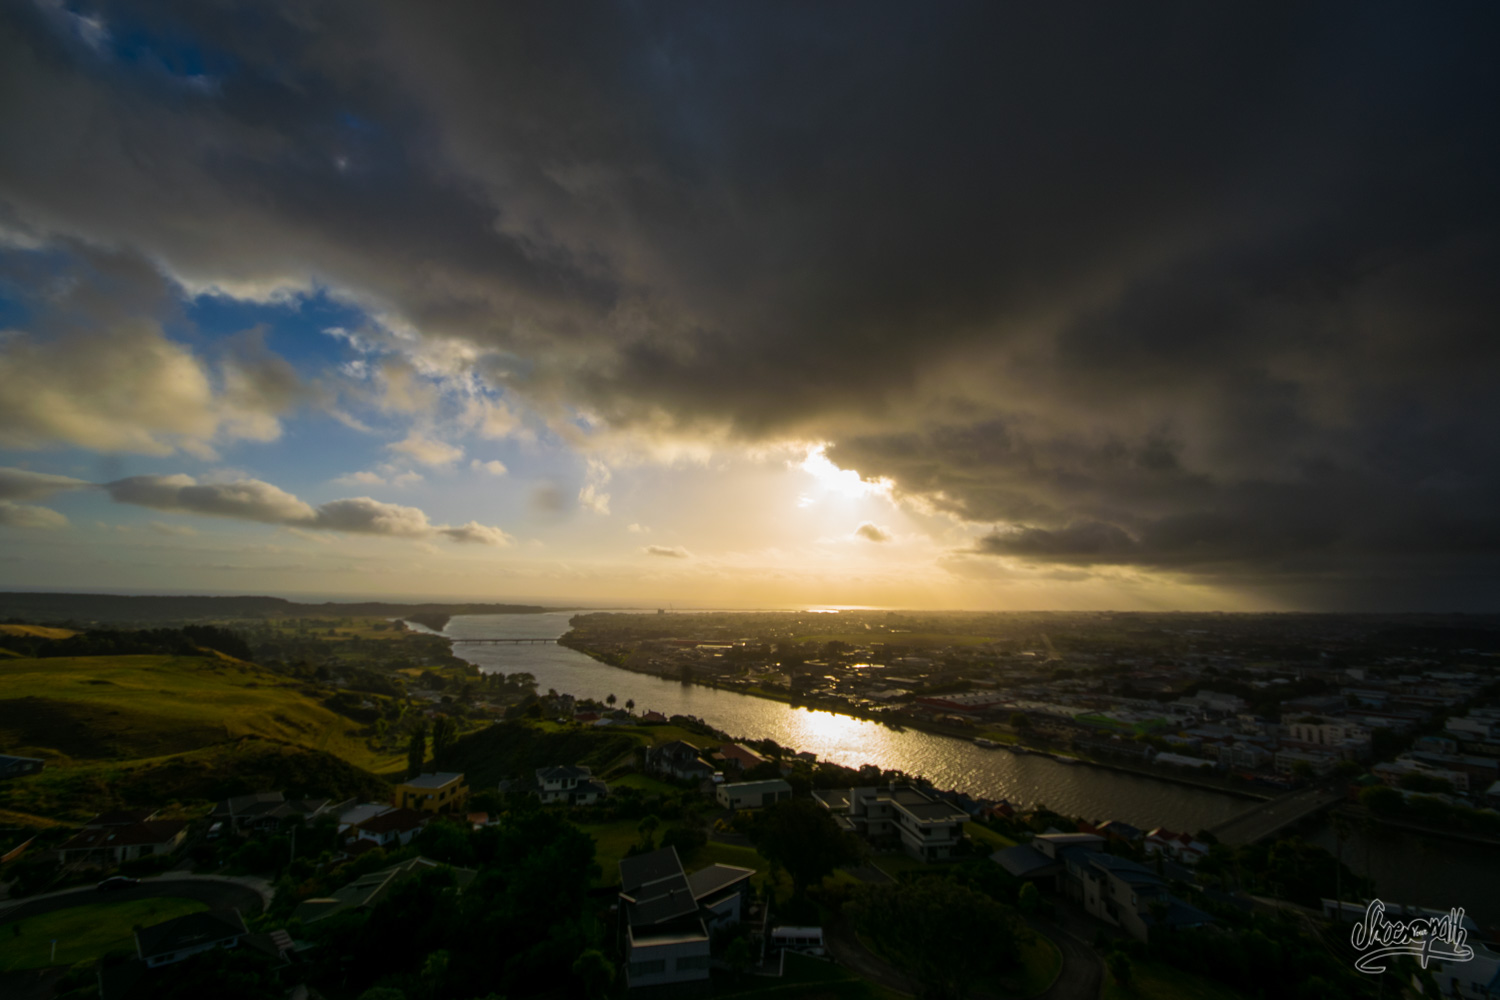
x=112, y=707
x=37, y=631
x=189, y=779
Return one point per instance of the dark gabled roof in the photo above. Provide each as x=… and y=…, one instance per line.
x=122, y=817
x=654, y=888
x=397, y=820
x=716, y=878
x=1025, y=861
x=662, y=901
x=1124, y=869
x=156, y=831
x=190, y=931
x=562, y=772
x=372, y=887
x=643, y=869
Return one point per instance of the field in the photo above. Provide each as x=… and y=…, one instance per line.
x=896, y=638
x=37, y=631
x=84, y=932
x=113, y=707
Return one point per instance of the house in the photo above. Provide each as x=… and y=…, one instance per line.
x=1044, y=860
x=653, y=719
x=739, y=758
x=679, y=760
x=668, y=915
x=1180, y=846
x=367, y=890
x=265, y=812
x=570, y=784
x=898, y=817
x=17, y=767
x=752, y=794
x=116, y=842
x=182, y=937
x=1129, y=895
x=395, y=828
x=353, y=816
x=444, y=791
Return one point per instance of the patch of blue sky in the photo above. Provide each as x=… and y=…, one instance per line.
x=294, y=327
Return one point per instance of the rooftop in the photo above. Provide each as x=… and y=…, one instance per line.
x=189, y=931
x=437, y=780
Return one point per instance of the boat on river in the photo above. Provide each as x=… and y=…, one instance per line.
x=980, y=741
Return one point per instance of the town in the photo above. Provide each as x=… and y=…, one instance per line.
x=679, y=859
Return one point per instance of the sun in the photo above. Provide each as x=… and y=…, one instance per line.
x=842, y=482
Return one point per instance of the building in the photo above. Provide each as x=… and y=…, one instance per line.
x=110, y=839
x=898, y=817
x=752, y=794
x=367, y=890
x=739, y=758
x=182, y=937
x=668, y=915
x=444, y=791
x=679, y=760
x=1129, y=895
x=1321, y=763
x=266, y=811
x=569, y=784
x=391, y=829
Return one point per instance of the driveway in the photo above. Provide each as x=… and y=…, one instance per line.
x=215, y=891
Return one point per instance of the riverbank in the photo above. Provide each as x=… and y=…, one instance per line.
x=1359, y=814
x=965, y=734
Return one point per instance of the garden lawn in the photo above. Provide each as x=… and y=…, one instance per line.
x=1165, y=982
x=84, y=932
x=988, y=838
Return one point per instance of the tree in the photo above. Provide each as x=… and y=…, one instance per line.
x=416, y=750
x=610, y=700
x=1029, y=898
x=803, y=838
x=1020, y=720
x=946, y=935
x=738, y=956
x=630, y=704
x=595, y=972
x=1120, y=968
x=444, y=732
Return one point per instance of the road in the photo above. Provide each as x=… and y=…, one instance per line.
x=218, y=893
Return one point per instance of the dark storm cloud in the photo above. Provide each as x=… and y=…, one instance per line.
x=1201, y=288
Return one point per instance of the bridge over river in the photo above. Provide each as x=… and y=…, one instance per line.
x=507, y=642
x=1269, y=818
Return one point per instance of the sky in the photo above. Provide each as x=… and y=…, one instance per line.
x=969, y=305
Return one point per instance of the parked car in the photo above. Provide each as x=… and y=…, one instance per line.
x=117, y=882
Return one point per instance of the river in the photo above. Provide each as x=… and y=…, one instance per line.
x=1071, y=789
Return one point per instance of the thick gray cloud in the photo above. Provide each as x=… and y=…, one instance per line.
x=22, y=484
x=1203, y=288
x=25, y=515
x=243, y=500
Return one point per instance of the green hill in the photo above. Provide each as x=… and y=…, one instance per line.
x=206, y=775
x=99, y=708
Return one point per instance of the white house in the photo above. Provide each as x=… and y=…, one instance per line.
x=899, y=817
x=752, y=794
x=571, y=784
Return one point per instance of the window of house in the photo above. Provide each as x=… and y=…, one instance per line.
x=650, y=967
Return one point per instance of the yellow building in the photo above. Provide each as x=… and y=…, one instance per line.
x=441, y=792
